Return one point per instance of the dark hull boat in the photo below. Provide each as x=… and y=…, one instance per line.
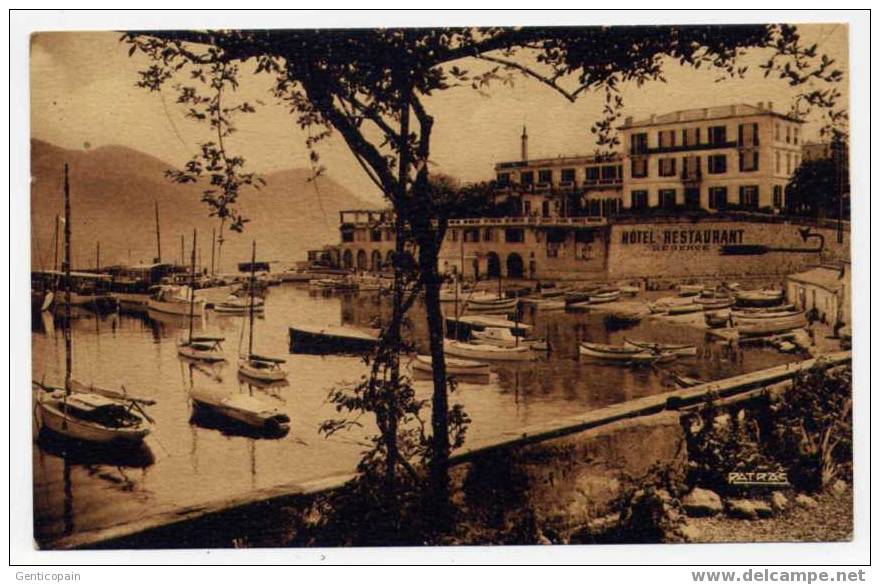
x=327, y=340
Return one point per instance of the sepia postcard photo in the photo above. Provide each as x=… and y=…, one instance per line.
x=427, y=286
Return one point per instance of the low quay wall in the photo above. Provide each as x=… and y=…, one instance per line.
x=566, y=470
x=683, y=248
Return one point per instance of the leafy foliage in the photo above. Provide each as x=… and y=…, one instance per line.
x=649, y=507
x=812, y=428
x=812, y=190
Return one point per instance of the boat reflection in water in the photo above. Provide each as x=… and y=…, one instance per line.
x=202, y=459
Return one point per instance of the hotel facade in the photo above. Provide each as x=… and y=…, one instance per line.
x=574, y=217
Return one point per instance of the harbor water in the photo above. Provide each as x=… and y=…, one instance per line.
x=189, y=462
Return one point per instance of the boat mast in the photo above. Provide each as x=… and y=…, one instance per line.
x=192, y=285
x=68, y=339
x=253, y=283
x=55, y=263
x=158, y=237
x=213, y=239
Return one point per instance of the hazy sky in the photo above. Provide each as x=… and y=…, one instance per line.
x=83, y=92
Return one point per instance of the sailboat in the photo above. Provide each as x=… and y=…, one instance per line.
x=86, y=413
x=258, y=367
x=203, y=347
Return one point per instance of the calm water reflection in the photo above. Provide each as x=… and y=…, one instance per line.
x=188, y=462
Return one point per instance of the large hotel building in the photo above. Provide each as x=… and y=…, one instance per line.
x=558, y=216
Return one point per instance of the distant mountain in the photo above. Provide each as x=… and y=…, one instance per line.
x=113, y=190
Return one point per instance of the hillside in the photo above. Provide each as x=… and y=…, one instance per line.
x=113, y=190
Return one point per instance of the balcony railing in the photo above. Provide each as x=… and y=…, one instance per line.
x=530, y=220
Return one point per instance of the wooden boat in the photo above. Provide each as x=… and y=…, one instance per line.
x=454, y=366
x=204, y=348
x=466, y=324
x=629, y=291
x=679, y=349
x=622, y=318
x=765, y=313
x=577, y=296
x=711, y=303
x=332, y=339
x=604, y=297
x=690, y=290
x=215, y=294
x=175, y=300
x=548, y=305
x=758, y=298
x=769, y=326
x=255, y=412
x=716, y=320
x=490, y=305
x=503, y=337
x=235, y=305
x=618, y=353
x=685, y=309
x=482, y=351
x=258, y=367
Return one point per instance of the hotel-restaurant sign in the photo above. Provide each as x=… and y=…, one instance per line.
x=679, y=239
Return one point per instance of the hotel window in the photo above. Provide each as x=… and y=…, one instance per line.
x=797, y=132
x=640, y=167
x=488, y=235
x=690, y=167
x=717, y=197
x=545, y=208
x=545, y=176
x=375, y=235
x=787, y=163
x=516, y=236
x=666, y=138
x=778, y=162
x=717, y=164
x=503, y=179
x=748, y=160
x=609, y=172
x=472, y=235
x=777, y=135
x=717, y=134
x=667, y=198
x=593, y=207
x=527, y=177
x=787, y=134
x=639, y=143
x=347, y=236
x=666, y=167
x=639, y=199
x=692, y=198
x=778, y=201
x=568, y=176
x=748, y=196
x=748, y=135
x=454, y=235
x=690, y=137
x=592, y=174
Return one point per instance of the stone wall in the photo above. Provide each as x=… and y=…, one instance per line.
x=568, y=481
x=692, y=248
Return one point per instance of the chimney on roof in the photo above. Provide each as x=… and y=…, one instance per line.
x=734, y=109
x=760, y=105
x=705, y=112
x=628, y=121
x=524, y=145
x=653, y=118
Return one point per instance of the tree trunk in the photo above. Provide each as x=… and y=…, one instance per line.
x=439, y=470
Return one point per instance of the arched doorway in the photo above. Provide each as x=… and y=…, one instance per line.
x=514, y=266
x=389, y=259
x=376, y=261
x=361, y=260
x=347, y=261
x=493, y=265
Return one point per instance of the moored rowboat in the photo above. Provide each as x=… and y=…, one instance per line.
x=455, y=366
x=254, y=412
x=481, y=351
x=331, y=339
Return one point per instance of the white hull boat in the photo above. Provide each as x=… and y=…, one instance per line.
x=215, y=294
x=679, y=349
x=257, y=413
x=491, y=306
x=617, y=354
x=480, y=351
x=177, y=306
x=504, y=337
x=202, y=348
x=90, y=417
x=454, y=366
x=262, y=368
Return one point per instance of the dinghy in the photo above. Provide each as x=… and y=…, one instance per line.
x=758, y=298
x=490, y=306
x=716, y=320
x=504, y=337
x=604, y=297
x=679, y=349
x=618, y=354
x=689, y=290
x=684, y=309
x=258, y=413
x=769, y=326
x=482, y=351
x=454, y=366
x=175, y=300
x=235, y=305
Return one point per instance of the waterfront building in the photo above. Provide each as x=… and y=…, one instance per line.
x=737, y=156
x=825, y=289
